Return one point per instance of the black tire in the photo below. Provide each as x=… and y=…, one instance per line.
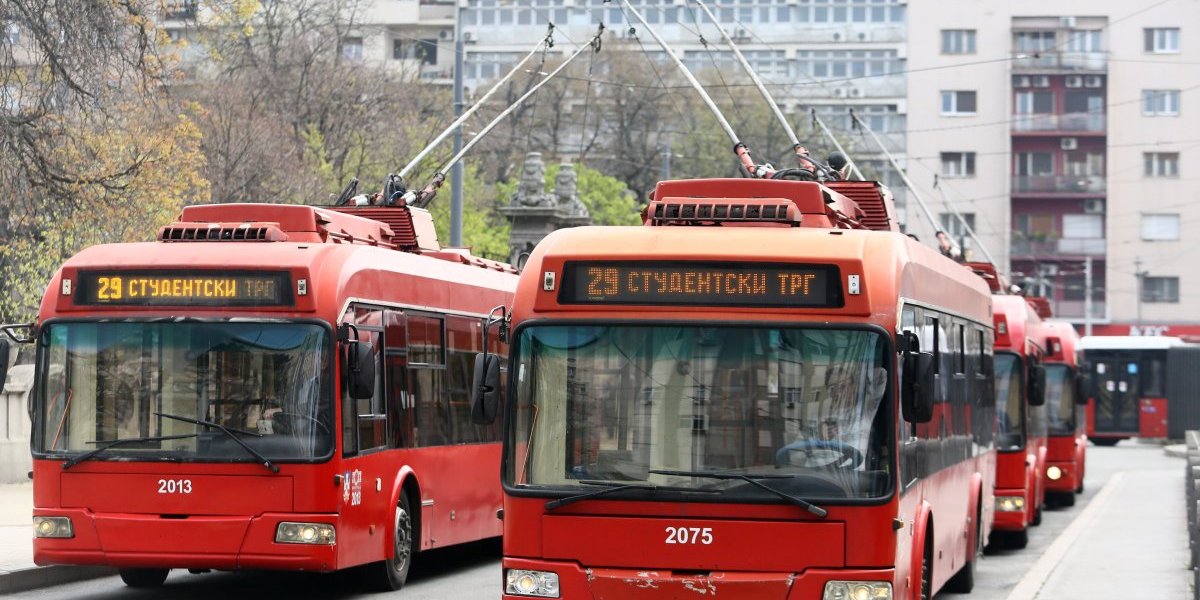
x=964, y=580
x=390, y=575
x=1037, y=517
x=926, y=567
x=144, y=578
x=1018, y=539
x=1105, y=441
x=1066, y=499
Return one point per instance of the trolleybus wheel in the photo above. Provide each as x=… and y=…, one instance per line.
x=1066, y=499
x=1105, y=441
x=1037, y=517
x=964, y=580
x=1018, y=539
x=143, y=578
x=927, y=570
x=393, y=572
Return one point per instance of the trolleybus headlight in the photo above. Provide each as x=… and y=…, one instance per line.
x=520, y=582
x=1054, y=473
x=1010, y=503
x=305, y=533
x=53, y=527
x=857, y=590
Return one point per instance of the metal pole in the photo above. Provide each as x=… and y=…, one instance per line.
x=1137, y=272
x=963, y=222
x=456, y=176
x=1087, y=298
x=738, y=146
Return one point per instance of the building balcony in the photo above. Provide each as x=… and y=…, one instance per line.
x=1058, y=184
x=1059, y=62
x=1032, y=249
x=1073, y=123
x=1073, y=310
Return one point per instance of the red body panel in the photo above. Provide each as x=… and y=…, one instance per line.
x=1067, y=451
x=229, y=518
x=1152, y=418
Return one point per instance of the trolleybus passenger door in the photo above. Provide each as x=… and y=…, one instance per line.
x=1117, y=387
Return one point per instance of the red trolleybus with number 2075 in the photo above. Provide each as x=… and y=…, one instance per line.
x=264, y=387
x=752, y=396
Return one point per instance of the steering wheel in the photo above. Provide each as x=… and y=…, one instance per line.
x=795, y=174
x=284, y=422
x=820, y=453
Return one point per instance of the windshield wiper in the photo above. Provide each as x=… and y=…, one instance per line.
x=752, y=480
x=611, y=487
x=117, y=442
x=232, y=433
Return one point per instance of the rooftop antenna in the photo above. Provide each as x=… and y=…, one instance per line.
x=808, y=170
x=764, y=171
x=422, y=198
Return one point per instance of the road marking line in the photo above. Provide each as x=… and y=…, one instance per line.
x=1037, y=576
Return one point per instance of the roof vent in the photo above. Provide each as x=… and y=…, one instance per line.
x=222, y=232
x=698, y=211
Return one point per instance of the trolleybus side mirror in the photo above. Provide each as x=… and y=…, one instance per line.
x=485, y=389
x=917, y=394
x=485, y=386
x=1083, y=387
x=1037, y=385
x=359, y=365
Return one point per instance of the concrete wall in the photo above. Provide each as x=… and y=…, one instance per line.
x=15, y=461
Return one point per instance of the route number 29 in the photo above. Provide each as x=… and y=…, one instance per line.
x=174, y=486
x=689, y=535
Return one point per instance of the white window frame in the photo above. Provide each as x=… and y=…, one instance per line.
x=958, y=41
x=956, y=165
x=1160, y=103
x=950, y=102
x=349, y=46
x=1083, y=226
x=1162, y=40
x=1160, y=164
x=1160, y=227
x=1163, y=289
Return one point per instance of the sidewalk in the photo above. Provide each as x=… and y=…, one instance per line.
x=17, y=571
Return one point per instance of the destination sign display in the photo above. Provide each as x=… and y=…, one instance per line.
x=702, y=284
x=191, y=288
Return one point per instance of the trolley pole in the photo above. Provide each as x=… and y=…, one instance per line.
x=456, y=172
x=1087, y=296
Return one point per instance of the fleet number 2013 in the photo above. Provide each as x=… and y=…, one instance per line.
x=174, y=486
x=689, y=535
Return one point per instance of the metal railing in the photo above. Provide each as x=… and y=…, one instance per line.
x=1074, y=122
x=1089, y=184
x=1025, y=61
x=1026, y=248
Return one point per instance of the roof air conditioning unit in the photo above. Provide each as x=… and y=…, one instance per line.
x=444, y=34
x=839, y=92
x=1069, y=143
x=1093, y=81
x=1093, y=206
x=1067, y=22
x=1022, y=81
x=1074, y=81
x=468, y=37
x=856, y=92
x=741, y=34
x=1041, y=81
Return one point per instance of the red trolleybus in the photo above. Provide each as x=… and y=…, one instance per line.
x=1066, y=428
x=264, y=387
x=752, y=396
x=1020, y=418
x=1129, y=387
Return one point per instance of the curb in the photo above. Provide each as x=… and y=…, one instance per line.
x=1176, y=450
x=40, y=577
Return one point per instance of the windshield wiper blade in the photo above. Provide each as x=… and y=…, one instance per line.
x=752, y=480
x=229, y=431
x=611, y=487
x=117, y=442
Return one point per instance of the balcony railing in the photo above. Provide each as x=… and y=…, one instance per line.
x=1026, y=248
x=1073, y=309
x=1073, y=122
x=1058, y=184
x=1060, y=61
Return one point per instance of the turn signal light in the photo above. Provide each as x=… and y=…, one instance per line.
x=53, y=527
x=305, y=533
x=857, y=590
x=540, y=584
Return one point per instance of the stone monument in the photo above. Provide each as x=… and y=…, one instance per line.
x=535, y=213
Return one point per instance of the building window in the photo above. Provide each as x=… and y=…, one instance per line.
x=1163, y=40
x=1084, y=164
x=1028, y=103
x=954, y=227
x=1160, y=103
x=958, y=103
x=1163, y=227
x=958, y=164
x=1160, y=289
x=1035, y=164
x=1084, y=41
x=1161, y=164
x=1083, y=226
x=1033, y=41
x=352, y=48
x=958, y=41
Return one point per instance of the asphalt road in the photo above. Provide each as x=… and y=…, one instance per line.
x=472, y=572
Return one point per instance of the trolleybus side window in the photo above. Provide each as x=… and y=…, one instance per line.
x=463, y=340
x=399, y=399
x=369, y=413
x=427, y=376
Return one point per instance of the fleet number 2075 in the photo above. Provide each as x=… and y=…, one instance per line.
x=689, y=535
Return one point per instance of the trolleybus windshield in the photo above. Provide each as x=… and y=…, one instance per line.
x=621, y=404
x=166, y=387
x=1060, y=400
x=1010, y=416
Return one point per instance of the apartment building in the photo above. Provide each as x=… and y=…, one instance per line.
x=1059, y=131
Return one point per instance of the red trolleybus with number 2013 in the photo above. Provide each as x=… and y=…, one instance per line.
x=264, y=387
x=752, y=396
x=1066, y=422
